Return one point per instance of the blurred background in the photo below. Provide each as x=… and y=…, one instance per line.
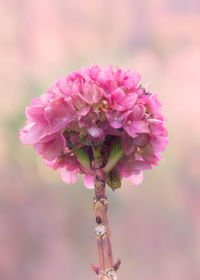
x=46, y=226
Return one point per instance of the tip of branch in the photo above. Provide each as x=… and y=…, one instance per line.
x=95, y=268
x=117, y=265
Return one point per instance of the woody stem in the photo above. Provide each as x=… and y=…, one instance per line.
x=106, y=270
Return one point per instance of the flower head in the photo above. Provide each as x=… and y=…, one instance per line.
x=97, y=108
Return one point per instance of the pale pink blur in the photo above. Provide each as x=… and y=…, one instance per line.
x=46, y=226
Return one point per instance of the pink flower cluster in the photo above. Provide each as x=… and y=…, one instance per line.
x=92, y=107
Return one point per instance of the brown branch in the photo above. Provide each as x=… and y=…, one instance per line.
x=106, y=269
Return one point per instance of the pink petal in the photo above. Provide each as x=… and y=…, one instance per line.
x=23, y=132
x=128, y=166
x=129, y=100
x=35, y=113
x=119, y=76
x=58, y=113
x=156, y=128
x=92, y=93
x=158, y=143
x=68, y=176
x=94, y=71
x=89, y=181
x=124, y=166
x=138, y=112
x=141, y=165
x=88, y=120
x=109, y=129
x=130, y=129
x=85, y=73
x=50, y=150
x=48, y=138
x=137, y=179
x=78, y=102
x=64, y=86
x=149, y=155
x=96, y=132
x=115, y=124
x=141, y=126
x=115, y=99
x=84, y=111
x=106, y=75
x=115, y=119
x=153, y=104
x=106, y=79
x=131, y=80
x=120, y=101
x=68, y=161
x=141, y=140
x=33, y=135
x=127, y=144
x=151, y=158
x=50, y=163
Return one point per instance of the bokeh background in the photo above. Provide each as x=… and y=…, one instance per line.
x=46, y=226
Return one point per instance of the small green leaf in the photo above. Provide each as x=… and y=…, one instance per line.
x=83, y=158
x=115, y=155
x=113, y=179
x=97, y=151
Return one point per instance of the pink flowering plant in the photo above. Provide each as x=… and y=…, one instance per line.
x=100, y=123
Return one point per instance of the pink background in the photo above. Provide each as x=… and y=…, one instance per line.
x=46, y=226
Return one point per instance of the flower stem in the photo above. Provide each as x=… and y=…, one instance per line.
x=106, y=269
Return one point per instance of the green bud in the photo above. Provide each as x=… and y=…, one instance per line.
x=83, y=158
x=115, y=155
x=113, y=179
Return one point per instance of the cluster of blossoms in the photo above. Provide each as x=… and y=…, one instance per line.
x=94, y=108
